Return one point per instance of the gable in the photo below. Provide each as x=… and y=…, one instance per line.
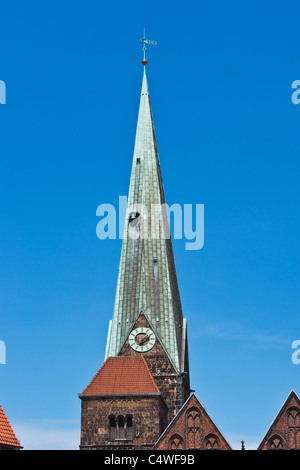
x=284, y=432
x=157, y=357
x=192, y=428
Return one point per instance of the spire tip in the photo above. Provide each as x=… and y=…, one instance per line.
x=146, y=41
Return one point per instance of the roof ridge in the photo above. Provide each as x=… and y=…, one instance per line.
x=95, y=375
x=151, y=376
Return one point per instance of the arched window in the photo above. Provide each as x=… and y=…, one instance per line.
x=275, y=442
x=293, y=416
x=121, y=428
x=112, y=428
x=129, y=427
x=176, y=442
x=193, y=428
x=211, y=442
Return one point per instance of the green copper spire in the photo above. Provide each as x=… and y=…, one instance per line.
x=147, y=278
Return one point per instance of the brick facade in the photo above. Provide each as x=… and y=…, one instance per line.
x=284, y=433
x=192, y=428
x=147, y=415
x=122, y=407
x=138, y=400
x=173, y=386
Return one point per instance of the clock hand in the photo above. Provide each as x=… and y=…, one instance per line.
x=144, y=339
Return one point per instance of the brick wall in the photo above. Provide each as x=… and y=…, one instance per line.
x=192, y=429
x=149, y=418
x=284, y=433
x=173, y=386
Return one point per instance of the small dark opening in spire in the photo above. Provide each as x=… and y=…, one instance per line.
x=133, y=216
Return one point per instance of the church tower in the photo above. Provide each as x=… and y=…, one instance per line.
x=147, y=294
x=147, y=336
x=147, y=278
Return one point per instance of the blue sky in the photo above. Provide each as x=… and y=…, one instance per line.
x=220, y=85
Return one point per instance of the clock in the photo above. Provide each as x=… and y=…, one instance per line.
x=142, y=339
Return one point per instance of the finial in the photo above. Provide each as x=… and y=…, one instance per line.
x=146, y=41
x=243, y=445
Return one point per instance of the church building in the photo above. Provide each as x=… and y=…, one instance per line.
x=140, y=398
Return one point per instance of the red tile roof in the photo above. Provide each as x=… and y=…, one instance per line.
x=7, y=435
x=128, y=375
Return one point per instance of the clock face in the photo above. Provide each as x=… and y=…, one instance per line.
x=142, y=339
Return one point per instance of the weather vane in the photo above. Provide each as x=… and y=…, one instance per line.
x=146, y=41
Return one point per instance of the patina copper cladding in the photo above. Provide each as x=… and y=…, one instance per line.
x=147, y=278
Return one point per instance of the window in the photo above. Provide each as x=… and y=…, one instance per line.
x=112, y=428
x=121, y=428
x=275, y=443
x=176, y=442
x=129, y=428
x=133, y=216
x=193, y=428
x=211, y=442
x=293, y=414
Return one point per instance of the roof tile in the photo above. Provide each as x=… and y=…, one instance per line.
x=7, y=435
x=122, y=375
